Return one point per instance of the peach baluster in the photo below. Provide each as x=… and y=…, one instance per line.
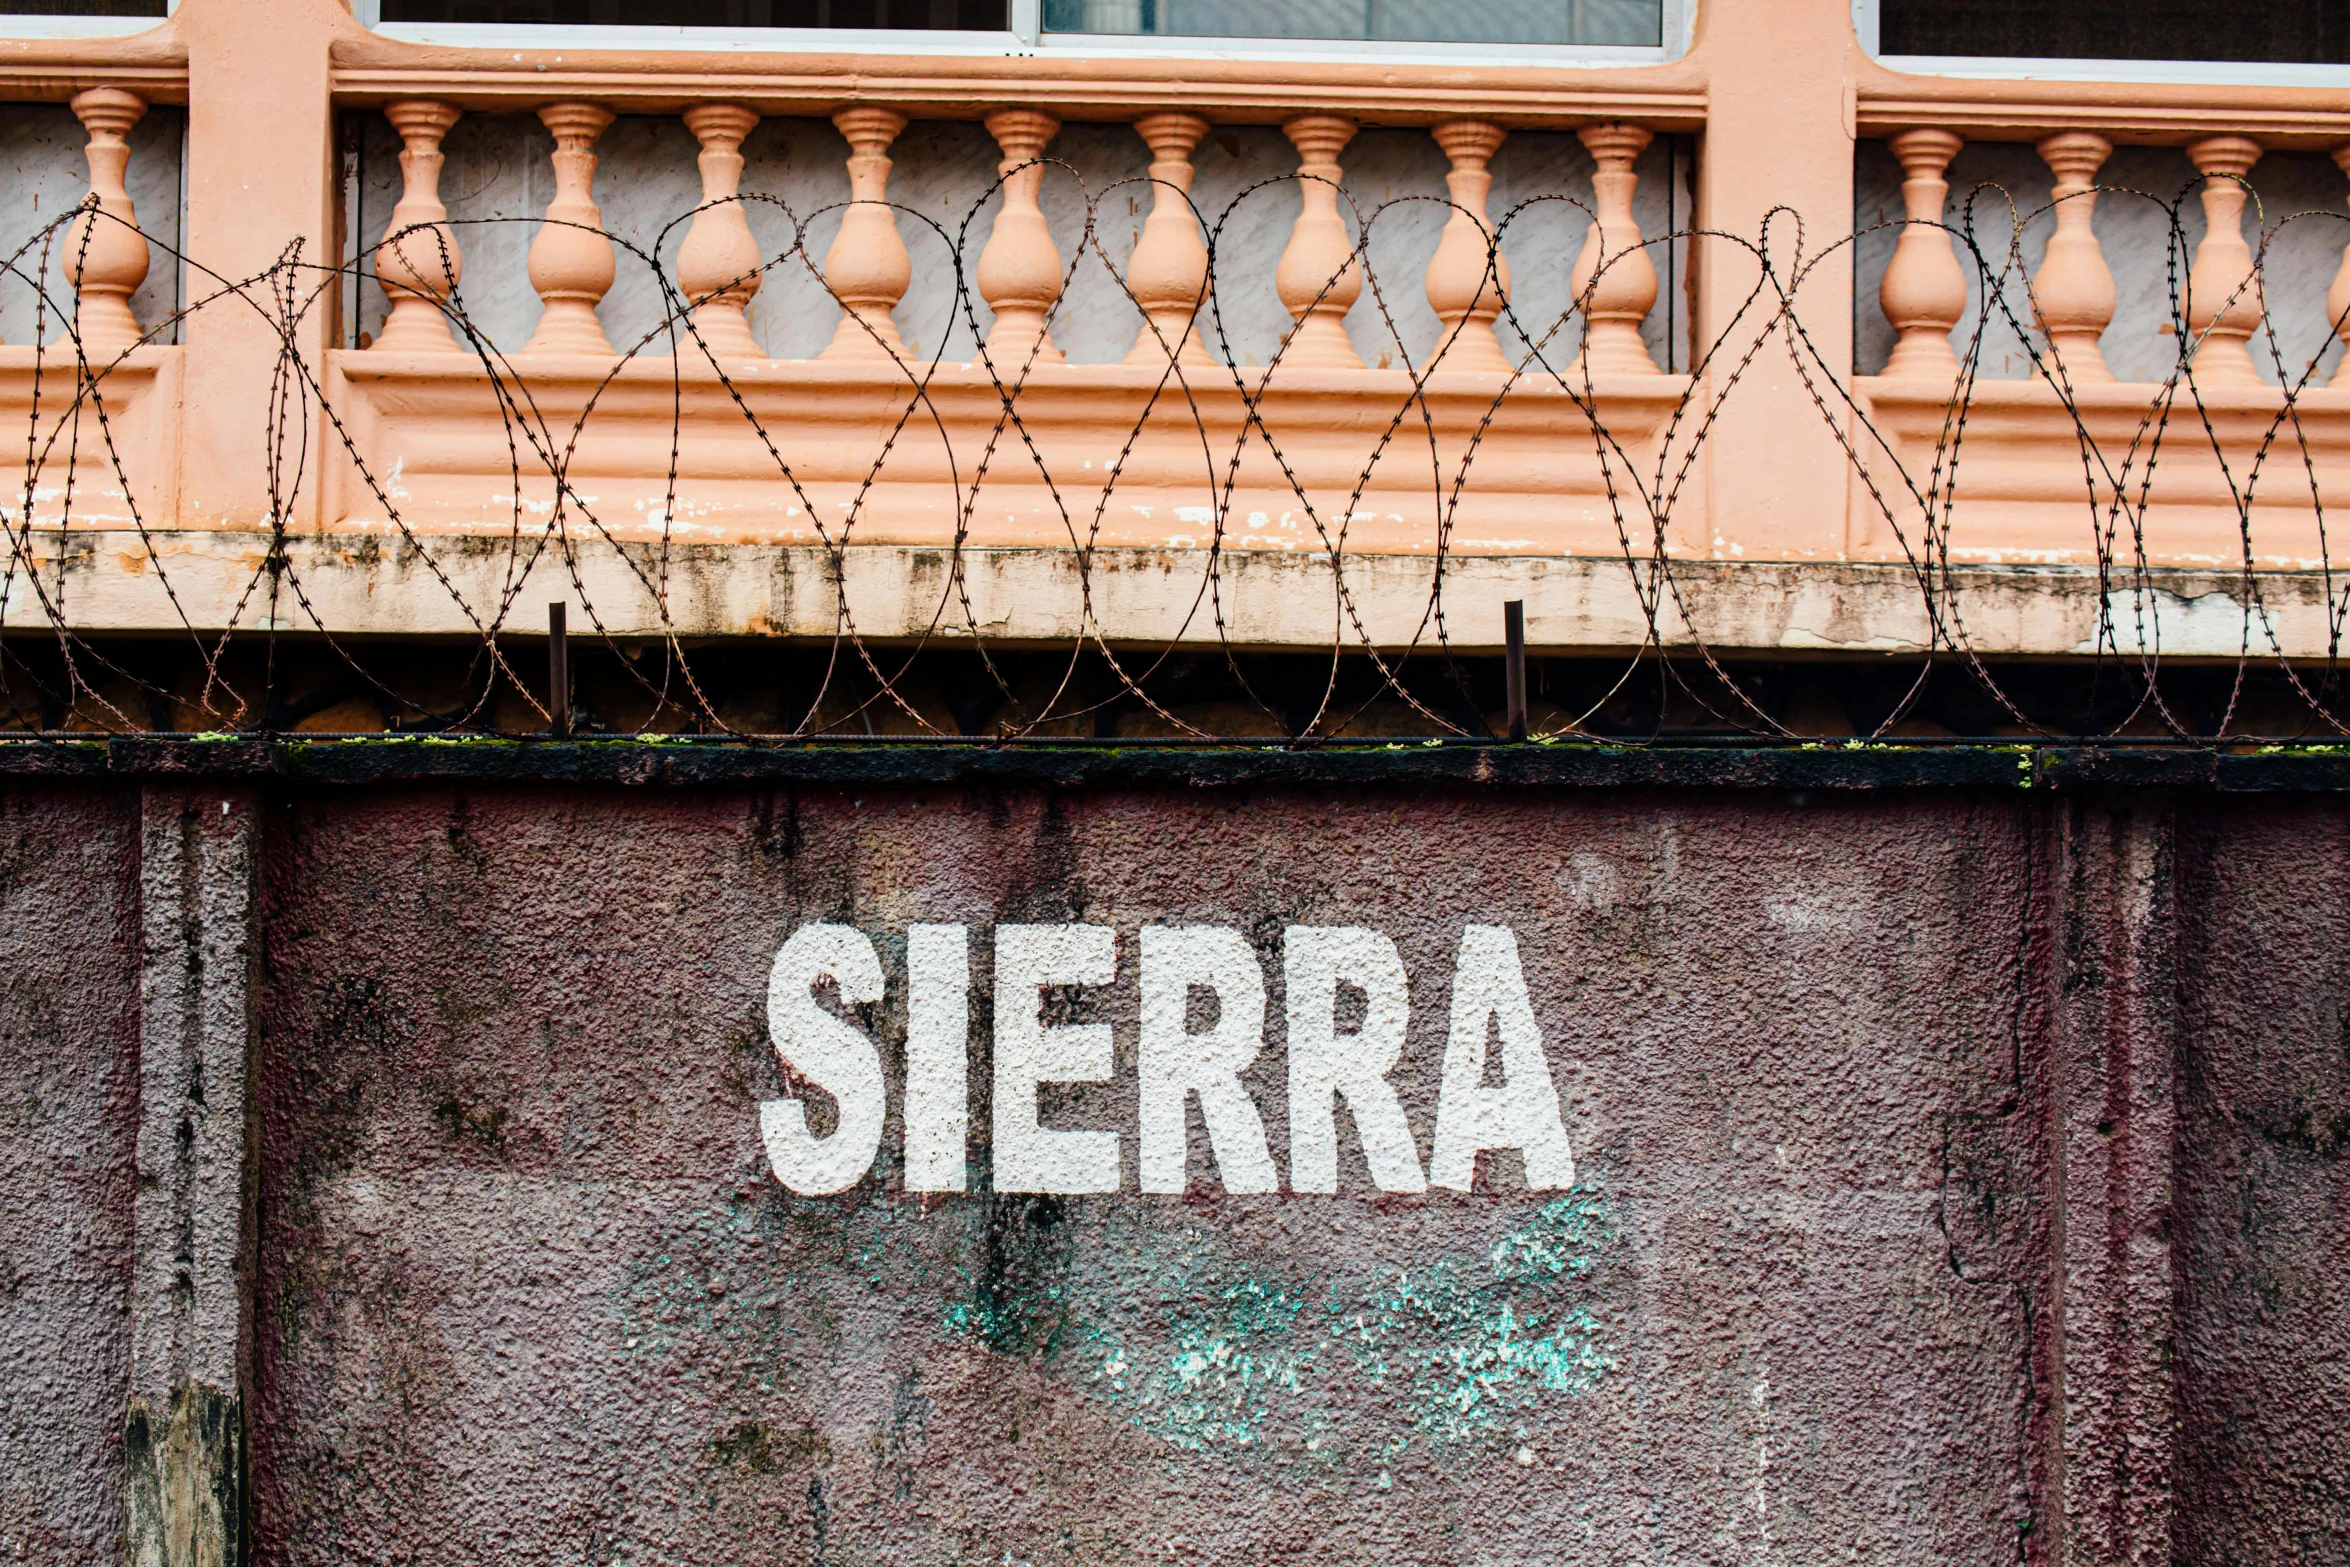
x=2074, y=289
x=2338, y=296
x=1467, y=277
x=1019, y=273
x=867, y=267
x=718, y=265
x=2224, y=305
x=571, y=261
x=1169, y=269
x=418, y=262
x=105, y=254
x=1614, y=265
x=1924, y=292
x=1318, y=280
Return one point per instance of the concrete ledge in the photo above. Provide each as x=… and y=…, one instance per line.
x=360, y=584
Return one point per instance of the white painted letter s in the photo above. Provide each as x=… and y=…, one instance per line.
x=830, y=1053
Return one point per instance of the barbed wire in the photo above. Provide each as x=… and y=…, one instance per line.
x=86, y=679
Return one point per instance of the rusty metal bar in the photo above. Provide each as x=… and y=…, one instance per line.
x=558, y=675
x=1513, y=635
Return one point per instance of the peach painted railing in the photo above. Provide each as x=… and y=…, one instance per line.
x=1768, y=449
x=872, y=436
x=2246, y=468
x=129, y=469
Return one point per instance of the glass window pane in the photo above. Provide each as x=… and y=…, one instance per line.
x=1265, y=18
x=2310, y=32
x=951, y=15
x=82, y=7
x=1519, y=21
x=1634, y=22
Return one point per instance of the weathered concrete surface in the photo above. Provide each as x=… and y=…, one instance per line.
x=165, y=579
x=1960, y=1179
x=2262, y=1239
x=2110, y=1065
x=69, y=1105
x=533, y=1295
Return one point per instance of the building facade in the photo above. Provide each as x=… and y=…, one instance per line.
x=680, y=674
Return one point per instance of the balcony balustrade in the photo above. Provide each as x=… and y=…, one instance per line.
x=933, y=344
x=871, y=439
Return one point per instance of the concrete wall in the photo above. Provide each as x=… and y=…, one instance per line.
x=2264, y=1215
x=69, y=1064
x=1957, y=1179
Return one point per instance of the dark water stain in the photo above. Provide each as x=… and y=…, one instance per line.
x=1019, y=1292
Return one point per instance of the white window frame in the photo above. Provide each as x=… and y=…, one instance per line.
x=2204, y=73
x=19, y=26
x=1026, y=37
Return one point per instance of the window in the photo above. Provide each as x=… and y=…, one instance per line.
x=80, y=18
x=2285, y=32
x=1624, y=23
x=132, y=8
x=894, y=15
x=1619, y=29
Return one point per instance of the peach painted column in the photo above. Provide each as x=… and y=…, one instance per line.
x=2224, y=305
x=718, y=265
x=261, y=176
x=2338, y=296
x=105, y=254
x=571, y=262
x=1168, y=273
x=1019, y=272
x=2074, y=289
x=1318, y=280
x=418, y=262
x=1468, y=278
x=1780, y=77
x=1924, y=291
x=867, y=267
x=1614, y=280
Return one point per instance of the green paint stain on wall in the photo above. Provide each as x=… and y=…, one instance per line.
x=1464, y=1351
x=1472, y=1349
x=1227, y=1364
x=1324, y=1338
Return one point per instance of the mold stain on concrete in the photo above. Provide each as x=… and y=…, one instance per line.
x=746, y=1444
x=466, y=1120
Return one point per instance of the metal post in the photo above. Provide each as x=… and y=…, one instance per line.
x=1513, y=632
x=558, y=676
